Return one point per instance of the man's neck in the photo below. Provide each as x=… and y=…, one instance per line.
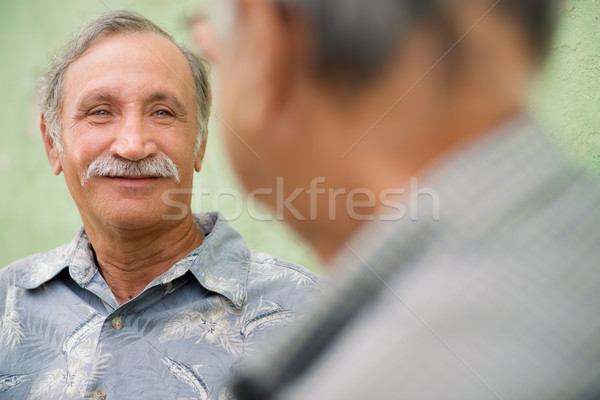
x=130, y=260
x=391, y=163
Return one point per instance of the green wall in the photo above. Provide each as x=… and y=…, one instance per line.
x=567, y=99
x=37, y=213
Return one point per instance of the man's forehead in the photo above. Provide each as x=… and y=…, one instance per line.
x=145, y=59
x=132, y=45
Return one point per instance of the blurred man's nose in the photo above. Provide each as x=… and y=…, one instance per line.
x=133, y=140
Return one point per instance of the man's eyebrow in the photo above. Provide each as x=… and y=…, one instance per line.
x=92, y=98
x=170, y=98
x=96, y=96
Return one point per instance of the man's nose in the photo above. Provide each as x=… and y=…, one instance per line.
x=133, y=140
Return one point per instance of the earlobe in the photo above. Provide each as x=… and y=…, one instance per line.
x=55, y=163
x=200, y=157
x=51, y=151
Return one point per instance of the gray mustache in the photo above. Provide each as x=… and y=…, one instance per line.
x=159, y=166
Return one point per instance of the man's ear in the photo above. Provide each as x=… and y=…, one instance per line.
x=200, y=156
x=51, y=151
x=271, y=53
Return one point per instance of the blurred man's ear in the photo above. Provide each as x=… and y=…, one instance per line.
x=268, y=55
x=51, y=151
x=204, y=38
x=200, y=156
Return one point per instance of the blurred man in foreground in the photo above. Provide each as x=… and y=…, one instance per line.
x=148, y=301
x=478, y=275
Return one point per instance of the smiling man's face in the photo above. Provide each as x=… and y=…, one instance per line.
x=129, y=97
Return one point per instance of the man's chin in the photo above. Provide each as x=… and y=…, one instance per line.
x=134, y=216
x=134, y=208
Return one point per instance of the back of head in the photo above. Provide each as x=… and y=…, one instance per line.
x=371, y=92
x=357, y=38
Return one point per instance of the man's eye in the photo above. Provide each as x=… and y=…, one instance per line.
x=163, y=113
x=101, y=113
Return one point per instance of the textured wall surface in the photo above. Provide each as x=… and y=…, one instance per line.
x=37, y=213
x=568, y=97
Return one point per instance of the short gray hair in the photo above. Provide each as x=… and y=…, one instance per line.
x=50, y=89
x=355, y=39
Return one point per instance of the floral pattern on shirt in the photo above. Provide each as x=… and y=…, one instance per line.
x=63, y=335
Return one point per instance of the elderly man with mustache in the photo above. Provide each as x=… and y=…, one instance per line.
x=147, y=301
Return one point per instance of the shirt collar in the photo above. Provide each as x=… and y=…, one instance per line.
x=496, y=177
x=220, y=264
x=476, y=189
x=480, y=188
x=47, y=265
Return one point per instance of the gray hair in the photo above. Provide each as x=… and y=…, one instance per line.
x=355, y=39
x=111, y=23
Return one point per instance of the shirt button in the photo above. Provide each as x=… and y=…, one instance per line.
x=99, y=394
x=117, y=323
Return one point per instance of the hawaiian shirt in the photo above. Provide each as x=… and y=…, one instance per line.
x=64, y=336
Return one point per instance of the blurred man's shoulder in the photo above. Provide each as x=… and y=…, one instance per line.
x=568, y=217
